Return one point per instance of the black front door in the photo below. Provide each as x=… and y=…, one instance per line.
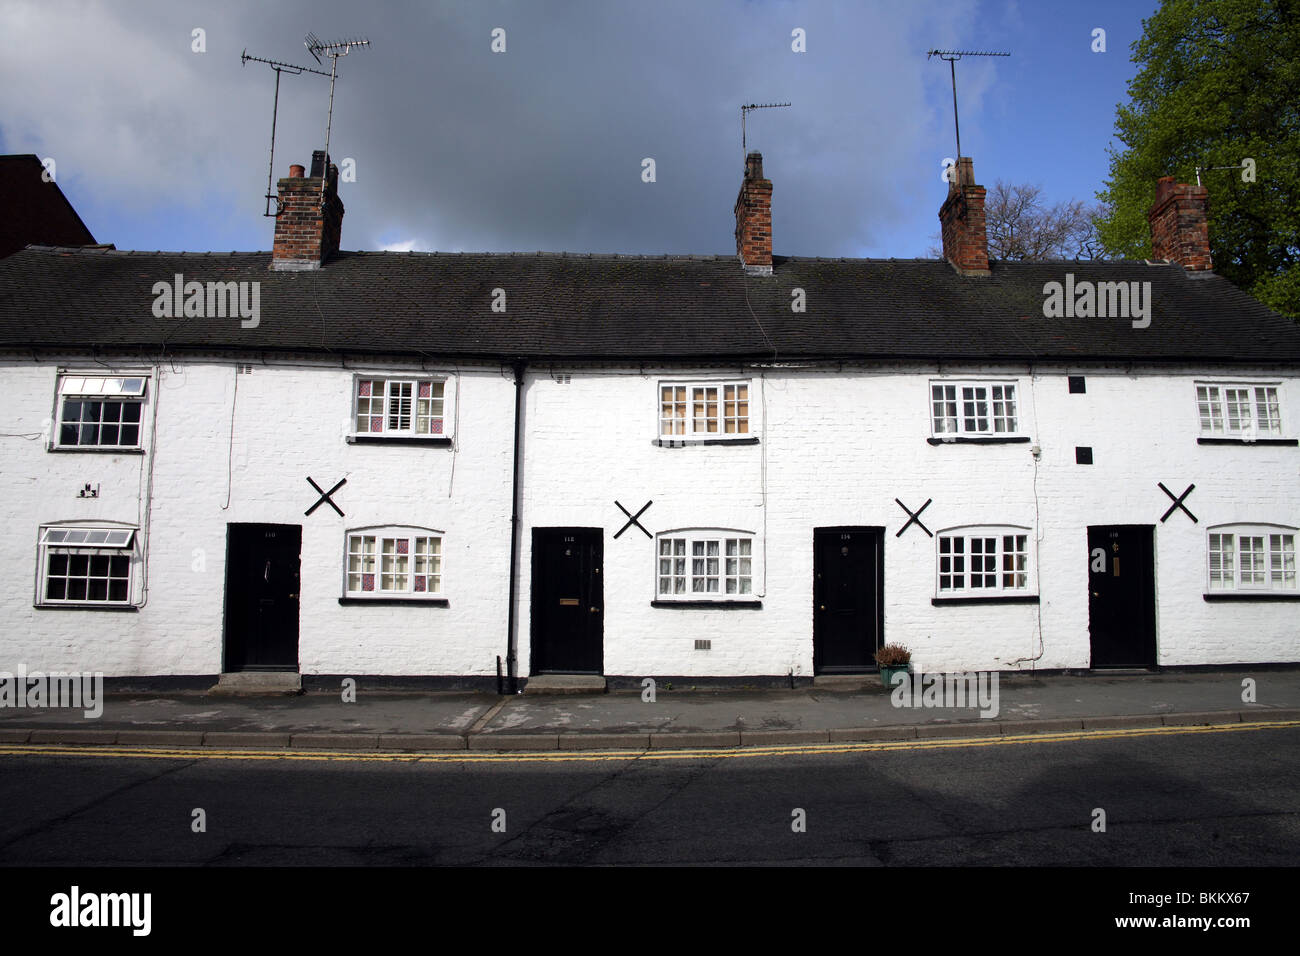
x=1122, y=596
x=848, y=605
x=262, y=570
x=568, y=601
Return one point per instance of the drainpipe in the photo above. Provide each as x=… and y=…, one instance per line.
x=512, y=668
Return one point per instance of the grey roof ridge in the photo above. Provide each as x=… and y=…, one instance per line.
x=611, y=256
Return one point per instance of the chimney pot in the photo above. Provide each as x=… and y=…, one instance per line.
x=296, y=171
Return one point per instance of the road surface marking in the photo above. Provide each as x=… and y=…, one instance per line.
x=591, y=756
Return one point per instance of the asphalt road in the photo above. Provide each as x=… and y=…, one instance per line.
x=1170, y=799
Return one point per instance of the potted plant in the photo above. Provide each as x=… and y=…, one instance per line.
x=893, y=659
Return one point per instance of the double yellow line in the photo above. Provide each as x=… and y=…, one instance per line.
x=596, y=756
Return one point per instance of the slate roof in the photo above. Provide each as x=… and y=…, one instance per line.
x=568, y=306
x=35, y=211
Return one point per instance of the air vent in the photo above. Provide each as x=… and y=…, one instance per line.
x=703, y=644
x=1077, y=385
x=245, y=370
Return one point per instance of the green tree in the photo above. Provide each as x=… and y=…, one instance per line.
x=1219, y=83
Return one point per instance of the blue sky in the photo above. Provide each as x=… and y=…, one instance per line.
x=457, y=148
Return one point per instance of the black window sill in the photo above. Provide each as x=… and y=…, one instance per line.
x=997, y=599
x=442, y=441
x=95, y=450
x=88, y=606
x=752, y=605
x=389, y=601
x=1292, y=442
x=979, y=440
x=1251, y=596
x=681, y=442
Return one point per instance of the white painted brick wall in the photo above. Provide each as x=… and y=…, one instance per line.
x=842, y=445
x=289, y=423
x=839, y=447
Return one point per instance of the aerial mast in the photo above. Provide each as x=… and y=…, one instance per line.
x=952, y=56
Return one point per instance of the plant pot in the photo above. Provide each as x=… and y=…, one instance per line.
x=887, y=673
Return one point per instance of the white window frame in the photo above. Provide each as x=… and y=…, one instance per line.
x=384, y=574
x=440, y=426
x=106, y=540
x=694, y=393
x=964, y=399
x=1265, y=552
x=727, y=558
x=1221, y=413
x=974, y=540
x=126, y=389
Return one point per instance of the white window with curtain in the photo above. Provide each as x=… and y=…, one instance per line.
x=393, y=561
x=974, y=409
x=984, y=561
x=710, y=410
x=705, y=564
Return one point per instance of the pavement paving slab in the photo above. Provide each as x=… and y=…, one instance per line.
x=680, y=717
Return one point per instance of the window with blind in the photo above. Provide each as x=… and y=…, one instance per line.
x=400, y=407
x=100, y=411
x=1238, y=410
x=86, y=565
x=1251, y=558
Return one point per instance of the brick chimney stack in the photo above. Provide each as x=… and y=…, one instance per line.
x=754, y=218
x=965, y=242
x=1179, y=230
x=305, y=235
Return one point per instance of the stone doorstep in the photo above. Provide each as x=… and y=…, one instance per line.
x=256, y=683
x=846, y=682
x=565, y=684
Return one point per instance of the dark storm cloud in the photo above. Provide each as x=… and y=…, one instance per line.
x=458, y=148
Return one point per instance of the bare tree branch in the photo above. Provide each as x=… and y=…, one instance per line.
x=1021, y=227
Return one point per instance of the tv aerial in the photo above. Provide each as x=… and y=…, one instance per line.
x=279, y=68
x=744, y=111
x=317, y=49
x=952, y=56
x=332, y=50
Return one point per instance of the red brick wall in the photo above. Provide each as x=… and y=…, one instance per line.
x=302, y=233
x=1179, y=228
x=754, y=215
x=961, y=217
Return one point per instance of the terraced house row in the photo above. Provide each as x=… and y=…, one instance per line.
x=749, y=467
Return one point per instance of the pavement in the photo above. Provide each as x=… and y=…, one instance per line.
x=677, y=717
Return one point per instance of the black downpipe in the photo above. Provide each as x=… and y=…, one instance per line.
x=512, y=669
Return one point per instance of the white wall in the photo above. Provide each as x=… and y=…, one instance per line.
x=842, y=445
x=289, y=423
x=836, y=448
